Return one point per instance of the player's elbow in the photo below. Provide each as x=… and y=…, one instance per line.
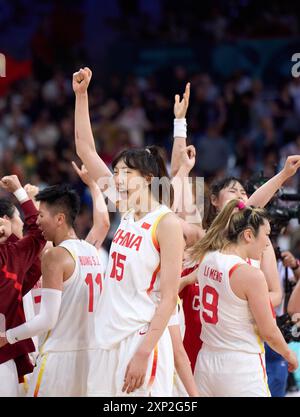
x=276, y=297
x=270, y=335
x=106, y=224
x=170, y=300
x=51, y=322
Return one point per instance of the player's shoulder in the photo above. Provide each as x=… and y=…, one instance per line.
x=249, y=272
x=169, y=220
x=57, y=254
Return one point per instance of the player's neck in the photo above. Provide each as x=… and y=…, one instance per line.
x=240, y=251
x=147, y=205
x=64, y=234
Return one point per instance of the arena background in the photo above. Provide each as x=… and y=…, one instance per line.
x=245, y=103
x=244, y=113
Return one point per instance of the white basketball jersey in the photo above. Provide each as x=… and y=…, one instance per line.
x=74, y=329
x=227, y=322
x=132, y=280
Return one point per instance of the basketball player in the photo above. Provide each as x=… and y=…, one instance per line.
x=18, y=274
x=72, y=284
x=235, y=308
x=135, y=349
x=221, y=192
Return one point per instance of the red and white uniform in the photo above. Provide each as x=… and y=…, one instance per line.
x=130, y=297
x=191, y=305
x=62, y=365
x=231, y=361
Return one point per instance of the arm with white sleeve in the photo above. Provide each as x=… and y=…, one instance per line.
x=54, y=266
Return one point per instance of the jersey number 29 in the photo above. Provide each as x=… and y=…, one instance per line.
x=210, y=299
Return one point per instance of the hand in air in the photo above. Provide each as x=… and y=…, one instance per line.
x=81, y=80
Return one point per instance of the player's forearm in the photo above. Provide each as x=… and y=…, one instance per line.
x=269, y=267
x=84, y=140
x=101, y=221
x=179, y=143
x=276, y=341
x=42, y=322
x=184, y=205
x=275, y=297
x=184, y=370
x=158, y=324
x=264, y=193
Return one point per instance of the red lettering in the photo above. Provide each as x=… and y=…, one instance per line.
x=137, y=243
x=128, y=238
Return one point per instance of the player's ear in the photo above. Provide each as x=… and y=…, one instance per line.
x=61, y=218
x=248, y=235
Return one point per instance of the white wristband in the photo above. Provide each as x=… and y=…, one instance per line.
x=180, y=128
x=21, y=195
x=11, y=340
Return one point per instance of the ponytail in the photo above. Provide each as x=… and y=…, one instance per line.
x=227, y=228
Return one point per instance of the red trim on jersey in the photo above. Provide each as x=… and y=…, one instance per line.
x=154, y=366
x=232, y=269
x=37, y=299
x=13, y=276
x=146, y=226
x=262, y=365
x=153, y=279
x=273, y=310
x=8, y=274
x=188, y=271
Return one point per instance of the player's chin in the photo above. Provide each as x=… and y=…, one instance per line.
x=45, y=235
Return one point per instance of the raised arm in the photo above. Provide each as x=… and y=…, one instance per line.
x=101, y=221
x=268, y=265
x=180, y=109
x=84, y=140
x=263, y=194
x=169, y=236
x=31, y=245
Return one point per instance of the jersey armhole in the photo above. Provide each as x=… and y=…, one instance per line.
x=234, y=268
x=154, y=228
x=71, y=278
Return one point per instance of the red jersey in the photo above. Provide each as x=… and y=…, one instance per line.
x=19, y=271
x=191, y=305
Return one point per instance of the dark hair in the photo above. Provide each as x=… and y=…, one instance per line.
x=150, y=162
x=62, y=198
x=227, y=228
x=7, y=208
x=215, y=188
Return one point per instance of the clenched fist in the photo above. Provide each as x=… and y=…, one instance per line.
x=10, y=183
x=81, y=80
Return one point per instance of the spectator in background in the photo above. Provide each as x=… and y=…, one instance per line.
x=214, y=153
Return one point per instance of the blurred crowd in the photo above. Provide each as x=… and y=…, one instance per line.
x=239, y=128
x=214, y=20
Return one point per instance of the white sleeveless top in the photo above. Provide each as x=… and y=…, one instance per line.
x=81, y=292
x=227, y=322
x=132, y=280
